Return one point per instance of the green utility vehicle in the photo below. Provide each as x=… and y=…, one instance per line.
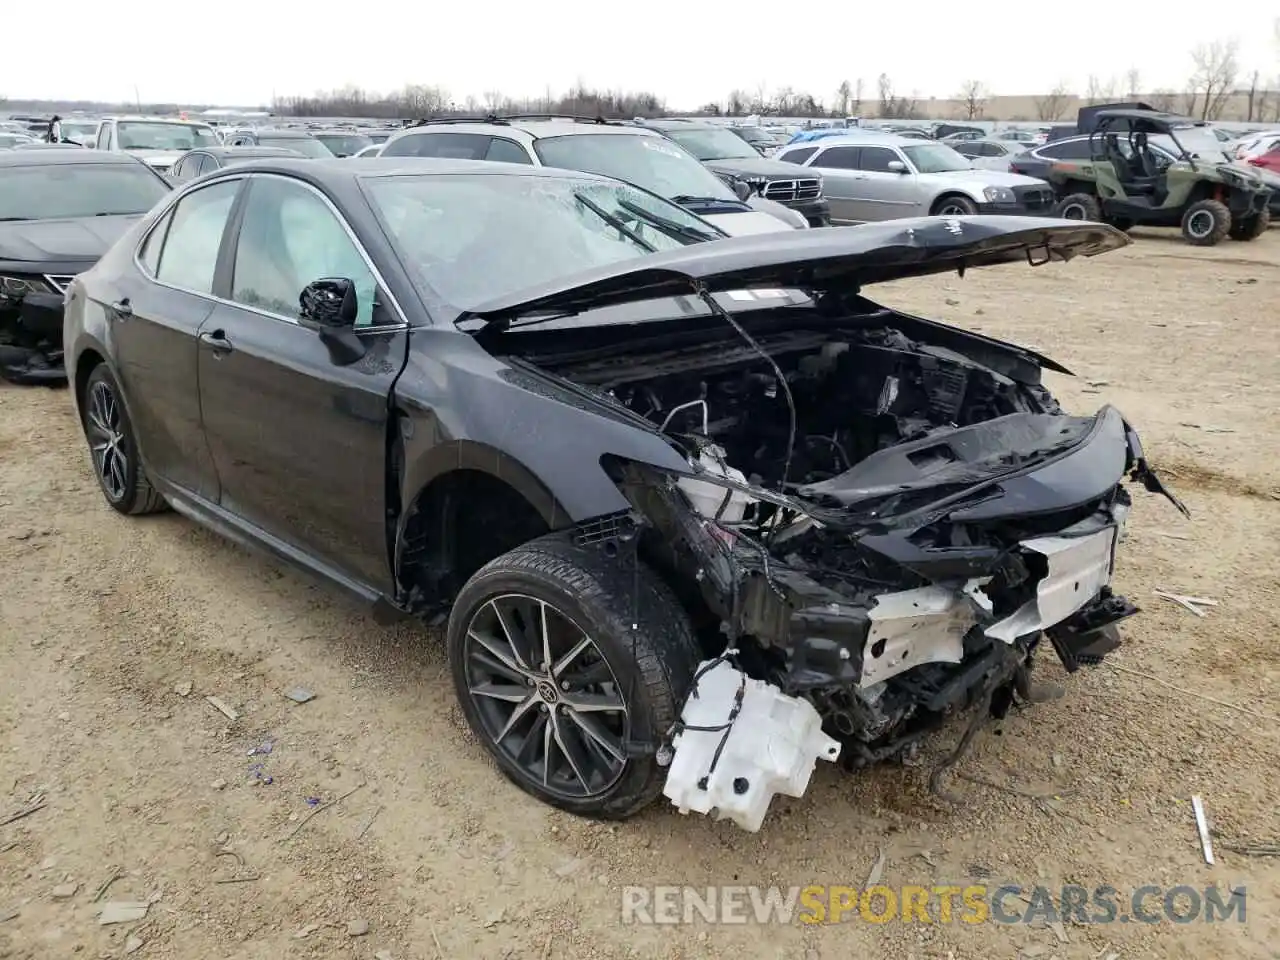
x=1161, y=170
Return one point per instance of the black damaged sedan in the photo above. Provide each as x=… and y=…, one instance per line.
x=616, y=457
x=59, y=211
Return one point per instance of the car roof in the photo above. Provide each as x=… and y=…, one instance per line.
x=858, y=138
x=674, y=123
x=27, y=158
x=338, y=173
x=536, y=128
x=276, y=133
x=1150, y=116
x=247, y=151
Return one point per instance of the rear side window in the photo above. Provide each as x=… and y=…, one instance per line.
x=190, y=251
x=799, y=156
x=149, y=255
x=451, y=146
x=877, y=159
x=838, y=158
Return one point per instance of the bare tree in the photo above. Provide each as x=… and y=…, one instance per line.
x=1133, y=80
x=973, y=98
x=891, y=105
x=1252, y=102
x=1053, y=103
x=856, y=106
x=844, y=93
x=1216, y=68
x=737, y=103
x=1165, y=100
x=1099, y=91
x=493, y=100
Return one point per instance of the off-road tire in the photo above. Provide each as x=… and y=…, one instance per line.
x=964, y=205
x=1086, y=204
x=635, y=622
x=1251, y=228
x=139, y=496
x=1221, y=223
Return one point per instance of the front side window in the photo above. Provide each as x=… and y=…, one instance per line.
x=650, y=162
x=289, y=238
x=466, y=239
x=1067, y=150
x=190, y=252
x=157, y=135
x=877, y=159
x=65, y=190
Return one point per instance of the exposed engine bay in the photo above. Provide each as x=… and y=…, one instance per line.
x=882, y=527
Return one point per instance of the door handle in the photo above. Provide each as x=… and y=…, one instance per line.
x=217, y=341
x=122, y=308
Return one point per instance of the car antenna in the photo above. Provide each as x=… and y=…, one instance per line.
x=700, y=290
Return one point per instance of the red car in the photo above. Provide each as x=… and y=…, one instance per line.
x=1268, y=161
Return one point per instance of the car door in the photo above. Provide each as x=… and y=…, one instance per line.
x=299, y=437
x=153, y=322
x=840, y=181
x=884, y=193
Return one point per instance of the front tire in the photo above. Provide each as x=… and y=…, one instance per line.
x=1206, y=223
x=1080, y=206
x=566, y=660
x=113, y=447
x=1251, y=228
x=954, y=206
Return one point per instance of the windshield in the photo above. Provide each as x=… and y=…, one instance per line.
x=936, y=158
x=343, y=144
x=1200, y=142
x=157, y=135
x=307, y=146
x=79, y=131
x=467, y=239
x=754, y=134
x=706, y=143
x=51, y=191
x=653, y=163
x=13, y=139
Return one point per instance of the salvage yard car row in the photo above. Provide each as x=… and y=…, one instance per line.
x=699, y=512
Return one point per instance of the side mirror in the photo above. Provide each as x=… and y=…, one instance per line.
x=897, y=166
x=330, y=307
x=328, y=304
x=742, y=189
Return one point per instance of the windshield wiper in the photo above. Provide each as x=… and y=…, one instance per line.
x=614, y=222
x=13, y=219
x=670, y=227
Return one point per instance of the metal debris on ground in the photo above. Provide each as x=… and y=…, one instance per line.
x=123, y=911
x=1190, y=603
x=34, y=803
x=183, y=689
x=65, y=891
x=304, y=932
x=299, y=694
x=1193, y=694
x=222, y=708
x=239, y=877
x=1202, y=825
x=133, y=944
x=368, y=823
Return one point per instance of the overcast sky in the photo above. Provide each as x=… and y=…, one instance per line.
x=243, y=51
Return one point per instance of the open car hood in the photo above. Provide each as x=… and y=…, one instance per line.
x=832, y=259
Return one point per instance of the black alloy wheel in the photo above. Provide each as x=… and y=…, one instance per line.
x=571, y=664
x=546, y=696
x=113, y=446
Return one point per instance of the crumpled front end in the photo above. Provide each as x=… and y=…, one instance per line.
x=910, y=588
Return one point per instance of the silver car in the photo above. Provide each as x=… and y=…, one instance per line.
x=869, y=176
x=994, y=154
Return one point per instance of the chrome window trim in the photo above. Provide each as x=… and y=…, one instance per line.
x=381, y=282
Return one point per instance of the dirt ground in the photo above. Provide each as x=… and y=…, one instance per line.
x=113, y=632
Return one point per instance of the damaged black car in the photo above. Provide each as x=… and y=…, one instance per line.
x=697, y=514
x=59, y=211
